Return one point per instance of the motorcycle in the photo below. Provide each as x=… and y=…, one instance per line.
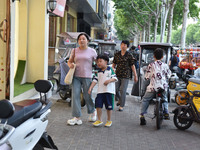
x=182, y=95
x=23, y=124
x=185, y=115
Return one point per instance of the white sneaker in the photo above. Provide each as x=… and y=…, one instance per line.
x=93, y=116
x=74, y=121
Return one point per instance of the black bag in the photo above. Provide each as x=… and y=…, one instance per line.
x=135, y=89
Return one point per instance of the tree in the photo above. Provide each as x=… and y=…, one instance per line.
x=185, y=16
x=170, y=20
x=144, y=15
x=193, y=34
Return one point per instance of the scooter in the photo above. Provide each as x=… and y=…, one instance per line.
x=64, y=89
x=23, y=124
x=59, y=76
x=185, y=115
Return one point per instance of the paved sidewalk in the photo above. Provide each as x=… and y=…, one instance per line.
x=124, y=134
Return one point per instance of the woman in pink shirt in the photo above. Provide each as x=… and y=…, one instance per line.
x=83, y=56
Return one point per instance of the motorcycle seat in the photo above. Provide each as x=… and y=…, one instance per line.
x=23, y=111
x=197, y=81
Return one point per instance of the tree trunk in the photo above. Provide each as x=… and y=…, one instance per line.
x=155, y=28
x=173, y=2
x=149, y=29
x=185, y=15
x=166, y=10
x=143, y=34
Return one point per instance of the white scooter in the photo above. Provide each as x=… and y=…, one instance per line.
x=23, y=124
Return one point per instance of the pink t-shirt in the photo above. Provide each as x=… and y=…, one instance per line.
x=83, y=60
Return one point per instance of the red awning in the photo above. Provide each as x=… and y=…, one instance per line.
x=60, y=8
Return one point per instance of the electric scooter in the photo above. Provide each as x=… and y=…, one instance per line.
x=186, y=114
x=23, y=124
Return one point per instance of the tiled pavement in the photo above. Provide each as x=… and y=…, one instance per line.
x=124, y=134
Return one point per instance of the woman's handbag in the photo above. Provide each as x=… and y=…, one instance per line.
x=69, y=76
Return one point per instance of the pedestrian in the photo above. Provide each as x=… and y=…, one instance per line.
x=157, y=72
x=174, y=61
x=83, y=56
x=134, y=51
x=123, y=62
x=106, y=89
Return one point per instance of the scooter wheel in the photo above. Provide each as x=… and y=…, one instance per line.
x=182, y=121
x=178, y=99
x=82, y=100
x=38, y=147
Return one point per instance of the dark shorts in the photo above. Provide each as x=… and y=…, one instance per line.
x=104, y=98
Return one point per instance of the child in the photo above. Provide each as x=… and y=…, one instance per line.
x=158, y=72
x=106, y=89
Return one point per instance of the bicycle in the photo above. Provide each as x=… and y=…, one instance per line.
x=158, y=110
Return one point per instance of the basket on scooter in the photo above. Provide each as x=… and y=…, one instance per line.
x=196, y=93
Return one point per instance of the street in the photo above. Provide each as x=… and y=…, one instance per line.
x=124, y=134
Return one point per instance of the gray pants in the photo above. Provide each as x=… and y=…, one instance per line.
x=121, y=87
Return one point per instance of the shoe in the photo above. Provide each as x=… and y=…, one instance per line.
x=74, y=121
x=97, y=123
x=142, y=120
x=118, y=104
x=92, y=117
x=108, y=124
x=166, y=116
x=121, y=109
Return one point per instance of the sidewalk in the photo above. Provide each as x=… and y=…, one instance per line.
x=124, y=134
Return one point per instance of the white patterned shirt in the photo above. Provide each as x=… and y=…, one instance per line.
x=101, y=77
x=158, y=73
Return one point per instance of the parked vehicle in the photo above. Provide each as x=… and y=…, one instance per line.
x=145, y=58
x=185, y=115
x=23, y=124
x=103, y=47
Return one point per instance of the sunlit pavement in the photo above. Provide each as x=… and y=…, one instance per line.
x=124, y=134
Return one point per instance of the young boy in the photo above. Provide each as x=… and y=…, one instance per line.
x=106, y=89
x=158, y=72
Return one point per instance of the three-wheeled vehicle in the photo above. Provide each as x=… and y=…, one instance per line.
x=102, y=47
x=145, y=58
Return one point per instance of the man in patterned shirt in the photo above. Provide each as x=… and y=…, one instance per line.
x=124, y=62
x=158, y=72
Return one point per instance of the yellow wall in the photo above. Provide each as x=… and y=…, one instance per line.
x=2, y=52
x=36, y=41
x=73, y=13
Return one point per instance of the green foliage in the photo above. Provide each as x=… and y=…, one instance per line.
x=124, y=16
x=176, y=37
x=192, y=35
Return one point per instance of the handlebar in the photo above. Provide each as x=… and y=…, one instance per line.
x=6, y=132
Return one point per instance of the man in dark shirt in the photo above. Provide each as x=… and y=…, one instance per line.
x=124, y=62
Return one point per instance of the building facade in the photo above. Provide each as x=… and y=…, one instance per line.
x=28, y=36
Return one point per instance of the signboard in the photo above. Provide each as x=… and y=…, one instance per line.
x=60, y=8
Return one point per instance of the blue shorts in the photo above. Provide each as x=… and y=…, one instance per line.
x=104, y=98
